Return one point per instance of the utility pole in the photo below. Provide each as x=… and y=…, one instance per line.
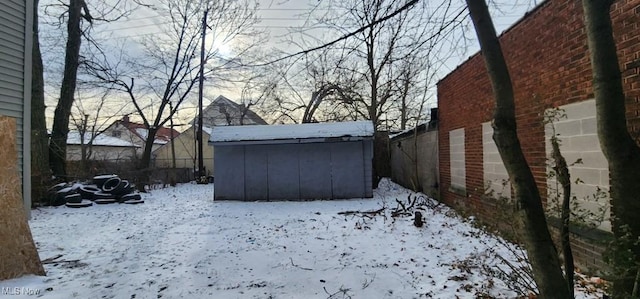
x=173, y=145
x=83, y=144
x=201, y=172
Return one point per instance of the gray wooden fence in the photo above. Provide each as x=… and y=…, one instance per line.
x=414, y=159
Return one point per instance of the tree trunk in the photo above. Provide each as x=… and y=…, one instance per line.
x=58, y=143
x=40, y=172
x=621, y=151
x=145, y=163
x=564, y=178
x=537, y=239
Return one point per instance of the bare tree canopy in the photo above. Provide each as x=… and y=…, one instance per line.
x=163, y=70
x=379, y=68
x=79, y=21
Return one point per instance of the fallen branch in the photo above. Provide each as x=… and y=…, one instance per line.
x=375, y=212
x=303, y=268
x=344, y=291
x=60, y=262
x=51, y=259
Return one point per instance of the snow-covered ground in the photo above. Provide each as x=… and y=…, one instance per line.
x=182, y=244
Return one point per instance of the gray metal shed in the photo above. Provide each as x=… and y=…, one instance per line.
x=300, y=161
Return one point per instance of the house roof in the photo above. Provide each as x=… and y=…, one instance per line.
x=101, y=140
x=225, y=112
x=163, y=135
x=292, y=131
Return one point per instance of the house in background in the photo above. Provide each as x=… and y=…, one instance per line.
x=221, y=112
x=550, y=68
x=299, y=161
x=137, y=133
x=16, y=40
x=102, y=147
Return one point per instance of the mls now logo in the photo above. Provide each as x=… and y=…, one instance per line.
x=20, y=291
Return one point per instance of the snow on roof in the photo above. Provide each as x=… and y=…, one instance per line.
x=207, y=130
x=292, y=131
x=100, y=140
x=144, y=134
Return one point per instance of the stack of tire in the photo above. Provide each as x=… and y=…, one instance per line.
x=105, y=189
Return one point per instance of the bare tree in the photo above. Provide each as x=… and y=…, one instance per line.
x=40, y=171
x=620, y=149
x=387, y=55
x=394, y=59
x=91, y=114
x=537, y=240
x=76, y=12
x=167, y=69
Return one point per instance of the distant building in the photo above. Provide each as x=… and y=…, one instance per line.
x=225, y=112
x=221, y=112
x=137, y=133
x=102, y=147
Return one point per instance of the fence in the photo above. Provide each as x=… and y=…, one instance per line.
x=128, y=169
x=414, y=159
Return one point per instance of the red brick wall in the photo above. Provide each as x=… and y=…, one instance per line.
x=548, y=59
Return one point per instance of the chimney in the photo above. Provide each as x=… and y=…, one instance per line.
x=125, y=119
x=433, y=122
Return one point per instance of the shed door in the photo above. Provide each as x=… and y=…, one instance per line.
x=255, y=172
x=229, y=169
x=283, y=171
x=315, y=171
x=347, y=170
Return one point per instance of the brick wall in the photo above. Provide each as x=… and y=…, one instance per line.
x=548, y=59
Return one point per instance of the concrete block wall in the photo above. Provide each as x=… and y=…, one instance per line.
x=578, y=139
x=457, y=160
x=549, y=67
x=495, y=174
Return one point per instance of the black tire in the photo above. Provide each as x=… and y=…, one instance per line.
x=58, y=187
x=73, y=198
x=83, y=204
x=111, y=184
x=88, y=191
x=101, y=179
x=105, y=201
x=102, y=195
x=57, y=200
x=122, y=188
x=60, y=196
x=131, y=196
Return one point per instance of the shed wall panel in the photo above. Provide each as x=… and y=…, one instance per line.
x=229, y=164
x=283, y=171
x=347, y=169
x=255, y=172
x=367, y=148
x=315, y=171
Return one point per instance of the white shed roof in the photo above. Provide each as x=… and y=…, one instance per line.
x=292, y=131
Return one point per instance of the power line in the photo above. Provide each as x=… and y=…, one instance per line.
x=346, y=36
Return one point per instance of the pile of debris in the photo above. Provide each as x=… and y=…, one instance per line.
x=104, y=189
